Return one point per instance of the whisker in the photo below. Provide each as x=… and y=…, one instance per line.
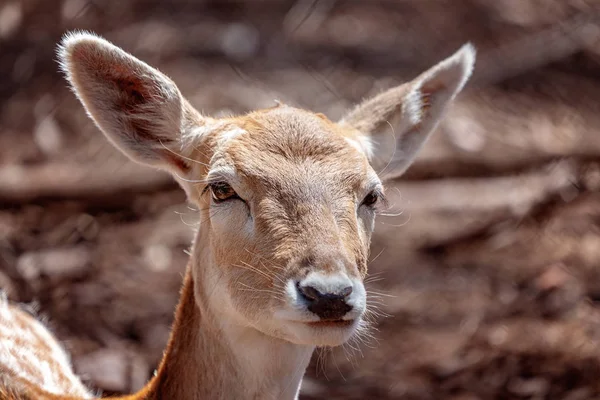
x=255, y=270
x=191, y=225
x=399, y=213
x=393, y=133
x=399, y=225
x=261, y=258
x=374, y=279
x=272, y=275
x=373, y=292
x=252, y=289
x=349, y=354
x=272, y=266
x=375, y=313
x=338, y=368
x=268, y=276
x=322, y=357
x=182, y=156
x=376, y=302
x=376, y=257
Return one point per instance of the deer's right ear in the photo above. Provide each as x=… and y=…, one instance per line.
x=137, y=107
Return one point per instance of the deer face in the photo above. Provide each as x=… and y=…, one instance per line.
x=287, y=198
x=288, y=209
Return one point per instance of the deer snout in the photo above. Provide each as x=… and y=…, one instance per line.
x=327, y=296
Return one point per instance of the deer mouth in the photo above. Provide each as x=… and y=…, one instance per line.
x=324, y=332
x=338, y=323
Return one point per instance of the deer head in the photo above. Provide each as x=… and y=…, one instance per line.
x=287, y=198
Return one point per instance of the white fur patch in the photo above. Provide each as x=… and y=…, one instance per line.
x=452, y=74
x=296, y=307
x=231, y=134
x=363, y=144
x=228, y=131
x=412, y=108
x=206, y=129
x=465, y=56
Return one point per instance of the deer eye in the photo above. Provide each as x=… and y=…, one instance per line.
x=222, y=191
x=371, y=199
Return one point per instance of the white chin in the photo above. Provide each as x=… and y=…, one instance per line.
x=319, y=333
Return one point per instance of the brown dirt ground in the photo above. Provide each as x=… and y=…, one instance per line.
x=486, y=272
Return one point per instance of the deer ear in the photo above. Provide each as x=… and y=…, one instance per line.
x=395, y=124
x=137, y=107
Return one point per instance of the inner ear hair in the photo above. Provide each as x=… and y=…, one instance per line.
x=136, y=106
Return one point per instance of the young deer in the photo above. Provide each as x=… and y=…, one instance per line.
x=287, y=202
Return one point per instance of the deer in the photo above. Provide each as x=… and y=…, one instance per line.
x=287, y=201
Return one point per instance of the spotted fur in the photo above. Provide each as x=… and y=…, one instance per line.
x=31, y=357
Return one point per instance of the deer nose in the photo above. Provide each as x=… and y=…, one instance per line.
x=327, y=304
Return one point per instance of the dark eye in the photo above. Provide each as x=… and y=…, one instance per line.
x=222, y=191
x=371, y=199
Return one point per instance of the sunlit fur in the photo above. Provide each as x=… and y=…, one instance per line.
x=241, y=329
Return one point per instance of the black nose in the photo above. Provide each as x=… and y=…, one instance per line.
x=328, y=306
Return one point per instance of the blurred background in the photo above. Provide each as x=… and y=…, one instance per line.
x=487, y=276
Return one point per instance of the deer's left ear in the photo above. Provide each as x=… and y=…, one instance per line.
x=396, y=123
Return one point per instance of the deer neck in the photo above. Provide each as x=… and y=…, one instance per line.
x=210, y=358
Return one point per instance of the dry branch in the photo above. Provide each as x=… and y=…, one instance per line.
x=55, y=179
x=537, y=50
x=430, y=213
x=515, y=194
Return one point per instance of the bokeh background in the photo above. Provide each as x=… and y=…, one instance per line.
x=487, y=272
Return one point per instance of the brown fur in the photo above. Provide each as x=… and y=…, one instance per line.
x=301, y=180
